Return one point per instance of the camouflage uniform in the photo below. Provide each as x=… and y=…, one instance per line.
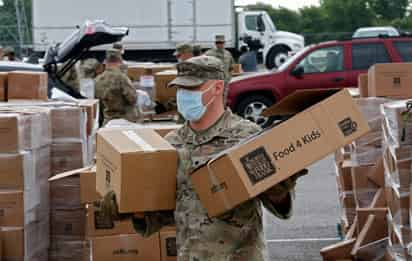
x=71, y=78
x=88, y=68
x=238, y=234
x=117, y=96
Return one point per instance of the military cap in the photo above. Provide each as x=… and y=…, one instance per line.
x=220, y=38
x=183, y=48
x=198, y=70
x=113, y=53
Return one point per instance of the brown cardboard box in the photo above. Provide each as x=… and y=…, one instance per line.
x=129, y=162
x=237, y=69
x=126, y=248
x=390, y=80
x=3, y=82
x=27, y=85
x=363, y=85
x=162, y=93
x=162, y=128
x=68, y=222
x=60, y=159
x=14, y=168
x=325, y=120
x=88, y=193
x=168, y=244
x=97, y=226
x=345, y=177
x=68, y=122
x=11, y=208
x=65, y=189
x=92, y=109
x=137, y=70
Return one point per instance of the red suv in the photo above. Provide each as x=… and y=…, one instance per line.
x=326, y=65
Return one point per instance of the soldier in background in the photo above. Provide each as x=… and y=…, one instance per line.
x=118, y=46
x=115, y=91
x=226, y=57
x=71, y=77
x=183, y=52
x=209, y=129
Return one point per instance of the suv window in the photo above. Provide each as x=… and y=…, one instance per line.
x=368, y=54
x=323, y=60
x=405, y=50
x=252, y=22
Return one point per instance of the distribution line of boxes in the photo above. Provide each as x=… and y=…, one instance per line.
x=374, y=172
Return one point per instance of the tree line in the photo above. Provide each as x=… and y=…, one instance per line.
x=338, y=19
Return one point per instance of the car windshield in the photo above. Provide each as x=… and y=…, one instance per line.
x=292, y=59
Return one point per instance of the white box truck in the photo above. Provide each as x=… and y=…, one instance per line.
x=156, y=26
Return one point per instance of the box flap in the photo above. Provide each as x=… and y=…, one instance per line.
x=69, y=173
x=299, y=101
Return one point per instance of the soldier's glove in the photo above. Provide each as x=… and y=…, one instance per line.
x=109, y=208
x=280, y=191
x=152, y=222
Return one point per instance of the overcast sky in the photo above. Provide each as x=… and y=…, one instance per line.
x=291, y=4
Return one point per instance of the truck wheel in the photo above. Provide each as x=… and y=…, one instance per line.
x=277, y=56
x=251, y=108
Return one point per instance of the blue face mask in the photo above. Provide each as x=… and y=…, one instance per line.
x=190, y=104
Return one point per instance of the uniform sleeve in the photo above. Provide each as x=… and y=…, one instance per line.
x=129, y=92
x=153, y=222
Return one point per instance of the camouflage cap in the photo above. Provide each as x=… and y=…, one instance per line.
x=183, y=48
x=113, y=53
x=198, y=70
x=89, y=65
x=219, y=38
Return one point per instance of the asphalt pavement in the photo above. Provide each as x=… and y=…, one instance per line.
x=314, y=221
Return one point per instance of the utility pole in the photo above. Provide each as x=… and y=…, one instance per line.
x=19, y=27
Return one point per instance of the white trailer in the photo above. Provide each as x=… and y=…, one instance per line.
x=158, y=25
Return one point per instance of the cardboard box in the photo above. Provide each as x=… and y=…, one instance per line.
x=3, y=84
x=68, y=222
x=88, y=193
x=168, y=244
x=12, y=208
x=325, y=120
x=16, y=171
x=68, y=122
x=129, y=162
x=60, y=159
x=97, y=226
x=162, y=93
x=126, y=248
x=390, y=80
x=28, y=85
x=92, y=109
x=363, y=85
x=135, y=71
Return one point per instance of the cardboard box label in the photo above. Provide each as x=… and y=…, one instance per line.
x=258, y=165
x=171, y=247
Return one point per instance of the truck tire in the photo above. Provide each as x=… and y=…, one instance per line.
x=251, y=107
x=276, y=57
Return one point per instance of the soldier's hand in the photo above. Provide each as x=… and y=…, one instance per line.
x=280, y=191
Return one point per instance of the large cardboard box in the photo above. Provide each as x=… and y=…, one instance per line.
x=12, y=208
x=88, y=193
x=28, y=85
x=135, y=71
x=60, y=159
x=162, y=93
x=3, y=84
x=168, y=244
x=68, y=223
x=363, y=85
x=131, y=163
x=99, y=226
x=92, y=109
x=390, y=80
x=324, y=121
x=162, y=128
x=126, y=248
x=69, y=122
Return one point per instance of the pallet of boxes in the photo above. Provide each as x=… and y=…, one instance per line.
x=374, y=172
x=38, y=139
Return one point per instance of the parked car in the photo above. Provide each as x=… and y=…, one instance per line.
x=367, y=32
x=334, y=64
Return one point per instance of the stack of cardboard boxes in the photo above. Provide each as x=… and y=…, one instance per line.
x=25, y=137
x=382, y=220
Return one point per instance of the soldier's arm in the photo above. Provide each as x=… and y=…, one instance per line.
x=152, y=222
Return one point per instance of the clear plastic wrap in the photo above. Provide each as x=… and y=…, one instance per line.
x=398, y=173
x=68, y=123
x=398, y=206
x=65, y=193
x=347, y=207
x=66, y=156
x=63, y=249
x=366, y=155
x=398, y=128
x=70, y=223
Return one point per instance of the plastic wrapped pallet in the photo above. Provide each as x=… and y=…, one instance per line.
x=23, y=131
x=69, y=123
x=69, y=250
x=67, y=156
x=68, y=223
x=399, y=125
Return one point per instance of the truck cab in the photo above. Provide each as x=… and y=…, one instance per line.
x=277, y=44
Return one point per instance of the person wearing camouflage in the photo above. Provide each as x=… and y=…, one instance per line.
x=209, y=129
x=225, y=56
x=115, y=91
